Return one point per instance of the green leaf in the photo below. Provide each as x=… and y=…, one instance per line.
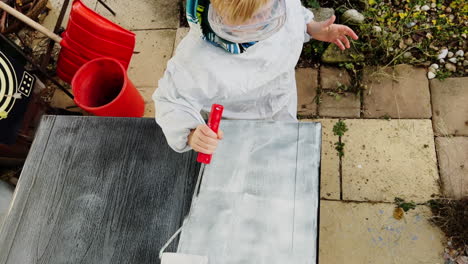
x=313, y=4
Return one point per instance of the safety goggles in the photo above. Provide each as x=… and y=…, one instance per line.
x=264, y=23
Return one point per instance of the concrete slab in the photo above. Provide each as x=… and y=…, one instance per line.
x=331, y=77
x=180, y=34
x=453, y=164
x=450, y=106
x=143, y=14
x=154, y=50
x=147, y=92
x=401, y=92
x=343, y=105
x=387, y=159
x=55, y=7
x=330, y=162
x=307, y=84
x=358, y=233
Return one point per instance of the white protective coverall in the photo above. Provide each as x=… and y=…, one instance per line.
x=257, y=84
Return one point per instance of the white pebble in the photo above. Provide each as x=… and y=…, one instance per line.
x=443, y=53
x=377, y=29
x=435, y=66
x=463, y=35
x=417, y=7
x=432, y=70
x=431, y=75
x=460, y=53
x=450, y=54
x=453, y=60
x=465, y=63
x=425, y=8
x=433, y=5
x=410, y=24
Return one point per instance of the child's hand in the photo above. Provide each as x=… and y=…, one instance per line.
x=204, y=140
x=329, y=32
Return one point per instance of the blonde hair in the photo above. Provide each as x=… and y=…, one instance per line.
x=237, y=11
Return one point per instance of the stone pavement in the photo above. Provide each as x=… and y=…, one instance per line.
x=407, y=137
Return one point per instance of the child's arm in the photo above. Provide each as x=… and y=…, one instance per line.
x=308, y=18
x=178, y=114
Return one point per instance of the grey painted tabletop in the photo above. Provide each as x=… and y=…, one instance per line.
x=259, y=198
x=97, y=190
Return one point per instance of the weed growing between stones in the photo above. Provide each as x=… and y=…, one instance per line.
x=406, y=206
x=338, y=130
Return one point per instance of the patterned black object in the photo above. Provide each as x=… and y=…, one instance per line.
x=97, y=190
x=16, y=86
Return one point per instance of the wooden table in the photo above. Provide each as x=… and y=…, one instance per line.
x=97, y=190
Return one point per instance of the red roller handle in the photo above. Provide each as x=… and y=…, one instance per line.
x=213, y=123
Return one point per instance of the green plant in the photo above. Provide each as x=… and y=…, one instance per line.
x=340, y=128
x=339, y=146
x=442, y=75
x=400, y=32
x=312, y=4
x=387, y=117
x=406, y=206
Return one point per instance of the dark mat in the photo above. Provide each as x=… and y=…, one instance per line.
x=97, y=190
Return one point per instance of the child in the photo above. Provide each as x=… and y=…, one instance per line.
x=241, y=54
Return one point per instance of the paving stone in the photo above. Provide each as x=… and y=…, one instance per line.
x=332, y=78
x=307, y=84
x=358, y=233
x=180, y=34
x=147, y=93
x=387, y=159
x=143, y=14
x=453, y=163
x=346, y=105
x=330, y=163
x=155, y=49
x=55, y=8
x=450, y=106
x=402, y=92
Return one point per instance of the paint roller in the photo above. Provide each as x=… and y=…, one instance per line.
x=178, y=258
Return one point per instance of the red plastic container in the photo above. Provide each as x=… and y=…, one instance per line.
x=101, y=87
x=89, y=36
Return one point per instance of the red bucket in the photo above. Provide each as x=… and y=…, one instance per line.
x=101, y=87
